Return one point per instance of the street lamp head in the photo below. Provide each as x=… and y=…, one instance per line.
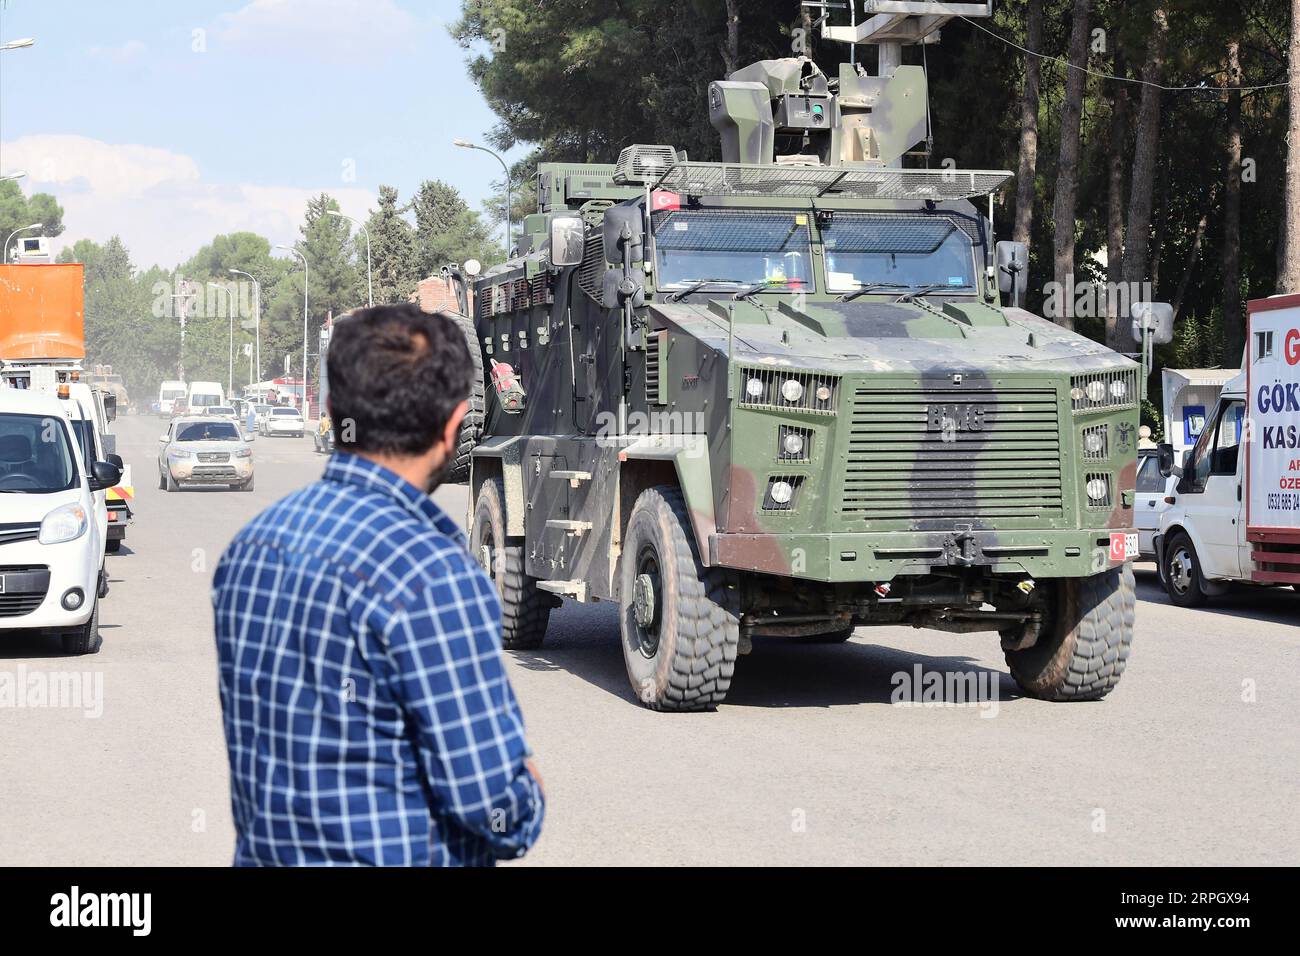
x=463, y=144
x=17, y=174
x=18, y=44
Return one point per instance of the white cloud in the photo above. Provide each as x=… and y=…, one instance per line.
x=328, y=29
x=127, y=52
x=156, y=199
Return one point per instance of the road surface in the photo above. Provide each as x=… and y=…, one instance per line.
x=1192, y=760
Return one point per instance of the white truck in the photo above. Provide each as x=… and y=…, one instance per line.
x=1235, y=517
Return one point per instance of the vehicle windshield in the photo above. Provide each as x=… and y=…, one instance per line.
x=208, y=431
x=172, y=393
x=262, y=409
x=732, y=248
x=36, y=456
x=285, y=411
x=904, y=251
x=221, y=410
x=203, y=401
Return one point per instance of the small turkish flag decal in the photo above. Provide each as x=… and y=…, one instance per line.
x=663, y=201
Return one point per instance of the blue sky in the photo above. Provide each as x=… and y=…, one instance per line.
x=168, y=122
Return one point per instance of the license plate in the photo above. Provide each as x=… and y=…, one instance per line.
x=1123, y=546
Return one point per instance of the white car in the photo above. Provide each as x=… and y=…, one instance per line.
x=1153, y=498
x=51, y=544
x=261, y=411
x=283, y=420
x=222, y=411
x=203, y=450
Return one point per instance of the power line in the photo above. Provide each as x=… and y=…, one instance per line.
x=1202, y=87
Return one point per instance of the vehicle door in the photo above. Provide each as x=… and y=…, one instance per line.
x=1149, y=502
x=1211, y=491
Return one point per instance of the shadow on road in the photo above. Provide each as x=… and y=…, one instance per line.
x=1269, y=605
x=583, y=640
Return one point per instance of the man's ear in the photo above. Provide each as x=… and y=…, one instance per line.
x=451, y=434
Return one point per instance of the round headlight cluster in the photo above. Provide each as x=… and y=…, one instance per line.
x=1097, y=490
x=754, y=388
x=1119, y=389
x=792, y=444
x=781, y=492
x=1096, y=391
x=791, y=390
x=823, y=393
x=1093, y=442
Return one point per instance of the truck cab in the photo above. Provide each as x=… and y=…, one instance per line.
x=1236, y=511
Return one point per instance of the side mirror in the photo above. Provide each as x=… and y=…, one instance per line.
x=162, y=437
x=623, y=227
x=1165, y=457
x=116, y=460
x=568, y=234
x=110, y=407
x=1156, y=318
x=1013, y=271
x=104, y=475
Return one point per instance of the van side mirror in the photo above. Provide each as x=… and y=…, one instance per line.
x=103, y=475
x=1165, y=457
x=1013, y=271
x=110, y=407
x=568, y=234
x=1155, y=318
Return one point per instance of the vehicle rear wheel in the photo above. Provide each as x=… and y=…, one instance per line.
x=1083, y=645
x=1181, y=573
x=680, y=621
x=472, y=427
x=525, y=608
x=84, y=639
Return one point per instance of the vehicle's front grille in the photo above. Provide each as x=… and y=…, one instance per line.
x=25, y=586
x=212, y=456
x=199, y=474
x=19, y=531
x=932, y=457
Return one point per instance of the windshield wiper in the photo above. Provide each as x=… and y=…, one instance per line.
x=870, y=287
x=926, y=290
x=758, y=287
x=695, y=285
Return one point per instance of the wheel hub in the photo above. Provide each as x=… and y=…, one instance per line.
x=1180, y=571
x=643, y=600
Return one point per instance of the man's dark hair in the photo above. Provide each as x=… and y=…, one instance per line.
x=396, y=374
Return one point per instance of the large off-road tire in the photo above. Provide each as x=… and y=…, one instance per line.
x=525, y=608
x=679, y=620
x=1083, y=647
x=472, y=427
x=84, y=639
x=1181, y=574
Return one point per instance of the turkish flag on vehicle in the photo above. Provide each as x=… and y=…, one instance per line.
x=663, y=201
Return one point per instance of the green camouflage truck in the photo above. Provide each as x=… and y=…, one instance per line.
x=792, y=393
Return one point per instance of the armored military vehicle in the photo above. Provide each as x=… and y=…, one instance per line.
x=795, y=392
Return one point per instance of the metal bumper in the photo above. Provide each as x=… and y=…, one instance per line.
x=867, y=557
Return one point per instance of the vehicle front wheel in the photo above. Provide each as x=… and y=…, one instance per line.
x=1083, y=641
x=679, y=620
x=84, y=639
x=170, y=483
x=248, y=485
x=1181, y=573
x=525, y=608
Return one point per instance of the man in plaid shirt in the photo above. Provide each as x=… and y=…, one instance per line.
x=367, y=711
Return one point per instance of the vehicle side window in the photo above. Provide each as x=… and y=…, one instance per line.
x=1216, y=449
x=1148, y=476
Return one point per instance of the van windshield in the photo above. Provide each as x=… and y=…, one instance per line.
x=35, y=455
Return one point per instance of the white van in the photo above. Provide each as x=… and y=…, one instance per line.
x=204, y=394
x=51, y=543
x=1235, y=515
x=168, y=392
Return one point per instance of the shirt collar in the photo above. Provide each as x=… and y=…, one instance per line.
x=350, y=469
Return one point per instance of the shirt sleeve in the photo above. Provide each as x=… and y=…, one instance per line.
x=450, y=675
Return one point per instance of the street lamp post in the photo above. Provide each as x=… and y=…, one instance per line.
x=35, y=225
x=257, y=321
x=370, y=285
x=230, y=301
x=465, y=144
x=306, y=277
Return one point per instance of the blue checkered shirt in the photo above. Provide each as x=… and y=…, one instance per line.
x=367, y=711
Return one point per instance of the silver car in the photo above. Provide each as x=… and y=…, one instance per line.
x=204, y=450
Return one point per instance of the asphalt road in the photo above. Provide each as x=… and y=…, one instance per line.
x=1194, y=759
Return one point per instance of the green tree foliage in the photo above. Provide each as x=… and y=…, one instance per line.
x=392, y=249
x=447, y=230
x=17, y=211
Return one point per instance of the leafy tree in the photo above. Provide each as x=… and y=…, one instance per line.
x=17, y=211
x=392, y=250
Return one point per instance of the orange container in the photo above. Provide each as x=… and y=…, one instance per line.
x=41, y=312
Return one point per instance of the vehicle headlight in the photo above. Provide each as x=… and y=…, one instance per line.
x=244, y=453
x=1096, y=391
x=781, y=492
x=1096, y=490
x=66, y=523
x=1118, y=389
x=754, y=388
x=179, y=454
x=791, y=390
x=823, y=393
x=1092, y=442
x=792, y=444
